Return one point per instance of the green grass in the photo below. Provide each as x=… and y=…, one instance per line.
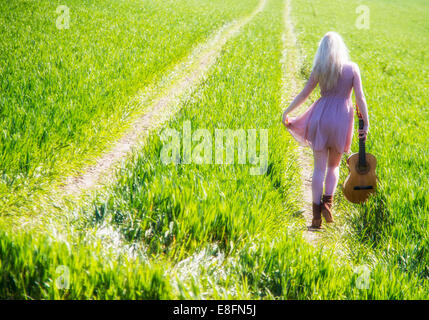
x=31, y=268
x=216, y=231
x=198, y=204
x=175, y=211
x=65, y=94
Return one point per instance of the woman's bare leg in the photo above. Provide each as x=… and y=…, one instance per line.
x=333, y=171
x=320, y=160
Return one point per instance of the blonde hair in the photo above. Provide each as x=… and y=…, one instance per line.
x=330, y=57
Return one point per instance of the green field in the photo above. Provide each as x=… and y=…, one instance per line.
x=66, y=93
x=204, y=231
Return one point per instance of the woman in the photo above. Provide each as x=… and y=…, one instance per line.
x=327, y=125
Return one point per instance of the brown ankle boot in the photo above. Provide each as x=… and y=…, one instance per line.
x=317, y=218
x=326, y=208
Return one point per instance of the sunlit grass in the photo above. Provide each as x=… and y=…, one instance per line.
x=215, y=231
x=66, y=94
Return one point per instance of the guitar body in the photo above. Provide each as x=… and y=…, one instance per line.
x=362, y=180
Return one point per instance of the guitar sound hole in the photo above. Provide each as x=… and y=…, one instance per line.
x=362, y=169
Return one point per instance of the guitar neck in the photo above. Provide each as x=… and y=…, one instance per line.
x=362, y=158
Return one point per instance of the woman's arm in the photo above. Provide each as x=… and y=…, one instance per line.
x=301, y=97
x=360, y=99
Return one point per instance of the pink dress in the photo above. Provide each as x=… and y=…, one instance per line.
x=328, y=122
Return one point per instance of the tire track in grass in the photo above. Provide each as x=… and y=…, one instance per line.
x=160, y=102
x=174, y=87
x=291, y=60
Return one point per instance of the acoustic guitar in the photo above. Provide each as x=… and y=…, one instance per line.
x=362, y=180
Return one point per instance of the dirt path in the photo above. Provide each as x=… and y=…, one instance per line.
x=290, y=88
x=179, y=83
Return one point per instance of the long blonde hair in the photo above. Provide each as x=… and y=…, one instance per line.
x=330, y=57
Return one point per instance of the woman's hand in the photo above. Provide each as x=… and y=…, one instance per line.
x=363, y=133
x=285, y=120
